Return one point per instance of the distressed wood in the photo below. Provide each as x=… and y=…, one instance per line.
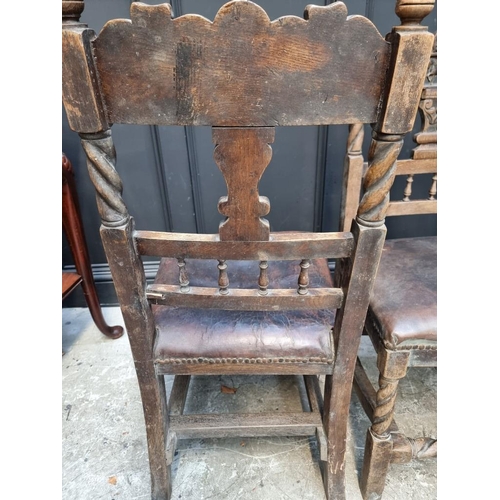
x=130, y=282
x=276, y=367
x=376, y=461
x=416, y=166
x=411, y=50
x=352, y=176
x=314, y=393
x=385, y=444
x=245, y=299
x=178, y=394
x=404, y=449
x=356, y=275
x=242, y=155
x=412, y=207
x=81, y=93
x=239, y=69
x=281, y=246
x=245, y=424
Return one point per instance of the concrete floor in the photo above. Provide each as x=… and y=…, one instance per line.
x=104, y=444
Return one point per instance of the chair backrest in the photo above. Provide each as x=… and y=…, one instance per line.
x=242, y=74
x=423, y=160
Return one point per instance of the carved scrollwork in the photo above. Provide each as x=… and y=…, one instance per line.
x=428, y=112
x=101, y=160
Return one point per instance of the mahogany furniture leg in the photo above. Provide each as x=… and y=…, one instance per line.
x=73, y=228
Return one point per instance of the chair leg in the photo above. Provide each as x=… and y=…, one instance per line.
x=335, y=425
x=379, y=444
x=154, y=404
x=376, y=463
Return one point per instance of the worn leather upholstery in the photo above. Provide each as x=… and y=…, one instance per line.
x=289, y=336
x=403, y=307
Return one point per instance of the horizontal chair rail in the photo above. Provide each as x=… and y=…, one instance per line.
x=245, y=299
x=412, y=207
x=281, y=246
x=412, y=166
x=245, y=425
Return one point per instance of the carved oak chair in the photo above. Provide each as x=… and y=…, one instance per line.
x=245, y=300
x=402, y=315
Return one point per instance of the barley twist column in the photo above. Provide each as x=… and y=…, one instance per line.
x=101, y=160
x=384, y=409
x=384, y=151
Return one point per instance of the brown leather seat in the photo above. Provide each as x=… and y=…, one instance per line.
x=403, y=307
x=187, y=335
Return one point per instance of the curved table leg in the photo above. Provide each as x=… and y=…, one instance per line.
x=73, y=229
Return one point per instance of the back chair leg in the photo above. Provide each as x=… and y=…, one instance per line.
x=154, y=404
x=336, y=434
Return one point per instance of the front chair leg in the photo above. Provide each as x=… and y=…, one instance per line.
x=378, y=448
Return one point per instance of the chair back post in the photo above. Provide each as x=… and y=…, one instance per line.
x=87, y=115
x=412, y=45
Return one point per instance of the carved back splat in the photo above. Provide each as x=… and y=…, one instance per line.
x=242, y=154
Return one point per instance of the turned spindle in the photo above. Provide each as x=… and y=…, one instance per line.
x=223, y=278
x=407, y=191
x=304, y=277
x=433, y=189
x=263, y=278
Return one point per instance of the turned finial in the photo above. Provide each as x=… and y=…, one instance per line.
x=412, y=12
x=72, y=10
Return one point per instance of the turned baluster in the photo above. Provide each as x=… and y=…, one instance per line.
x=304, y=277
x=407, y=191
x=223, y=278
x=263, y=278
x=433, y=189
x=183, y=277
